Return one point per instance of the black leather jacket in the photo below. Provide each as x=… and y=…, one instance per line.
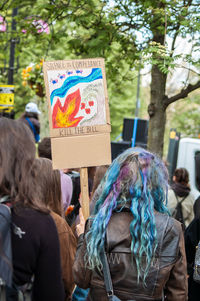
x=167, y=275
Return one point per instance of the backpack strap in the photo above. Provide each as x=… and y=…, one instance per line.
x=37, y=136
x=5, y=202
x=2, y=290
x=8, y=289
x=107, y=276
x=6, y=247
x=31, y=125
x=181, y=201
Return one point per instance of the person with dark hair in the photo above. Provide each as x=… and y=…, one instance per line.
x=31, y=118
x=44, y=151
x=132, y=229
x=49, y=182
x=192, y=238
x=196, y=207
x=44, y=148
x=35, y=246
x=180, y=192
x=99, y=174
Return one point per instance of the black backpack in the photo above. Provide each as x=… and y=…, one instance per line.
x=8, y=290
x=178, y=212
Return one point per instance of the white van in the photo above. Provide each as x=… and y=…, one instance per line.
x=189, y=158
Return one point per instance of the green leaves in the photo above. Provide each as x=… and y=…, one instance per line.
x=186, y=117
x=127, y=33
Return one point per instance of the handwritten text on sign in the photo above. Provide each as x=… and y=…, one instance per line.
x=77, y=131
x=73, y=64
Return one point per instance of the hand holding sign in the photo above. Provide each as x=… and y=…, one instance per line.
x=81, y=226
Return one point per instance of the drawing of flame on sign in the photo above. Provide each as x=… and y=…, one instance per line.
x=64, y=116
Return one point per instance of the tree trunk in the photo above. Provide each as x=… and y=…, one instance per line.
x=157, y=111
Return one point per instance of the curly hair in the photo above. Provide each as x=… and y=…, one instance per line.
x=139, y=178
x=181, y=176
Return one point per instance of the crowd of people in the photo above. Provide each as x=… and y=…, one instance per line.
x=132, y=247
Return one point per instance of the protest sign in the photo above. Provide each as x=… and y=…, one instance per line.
x=78, y=113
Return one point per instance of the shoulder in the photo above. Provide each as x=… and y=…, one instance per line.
x=169, y=233
x=171, y=191
x=171, y=198
x=169, y=225
x=192, y=232
x=194, y=226
x=191, y=198
x=39, y=228
x=174, y=225
x=34, y=120
x=60, y=223
x=65, y=178
x=171, y=194
x=33, y=219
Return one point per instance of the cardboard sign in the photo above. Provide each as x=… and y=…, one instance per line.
x=78, y=112
x=6, y=98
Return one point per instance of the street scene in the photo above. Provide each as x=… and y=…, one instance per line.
x=99, y=150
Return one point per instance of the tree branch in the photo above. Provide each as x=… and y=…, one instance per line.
x=3, y=4
x=189, y=69
x=184, y=93
x=174, y=39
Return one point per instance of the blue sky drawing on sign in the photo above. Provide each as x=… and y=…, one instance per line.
x=72, y=81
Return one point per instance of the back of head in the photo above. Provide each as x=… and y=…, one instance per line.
x=138, y=180
x=181, y=175
x=44, y=148
x=31, y=111
x=99, y=174
x=17, y=154
x=134, y=174
x=48, y=181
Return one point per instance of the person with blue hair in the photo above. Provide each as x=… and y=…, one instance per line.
x=131, y=225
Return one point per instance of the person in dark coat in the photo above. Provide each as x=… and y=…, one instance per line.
x=192, y=237
x=35, y=244
x=196, y=207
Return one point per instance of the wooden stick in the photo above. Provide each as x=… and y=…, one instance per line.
x=84, y=192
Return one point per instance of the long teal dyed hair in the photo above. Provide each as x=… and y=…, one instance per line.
x=139, y=178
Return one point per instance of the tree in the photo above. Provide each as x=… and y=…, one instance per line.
x=68, y=39
x=157, y=20
x=175, y=18
x=135, y=33
x=148, y=30
x=185, y=117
